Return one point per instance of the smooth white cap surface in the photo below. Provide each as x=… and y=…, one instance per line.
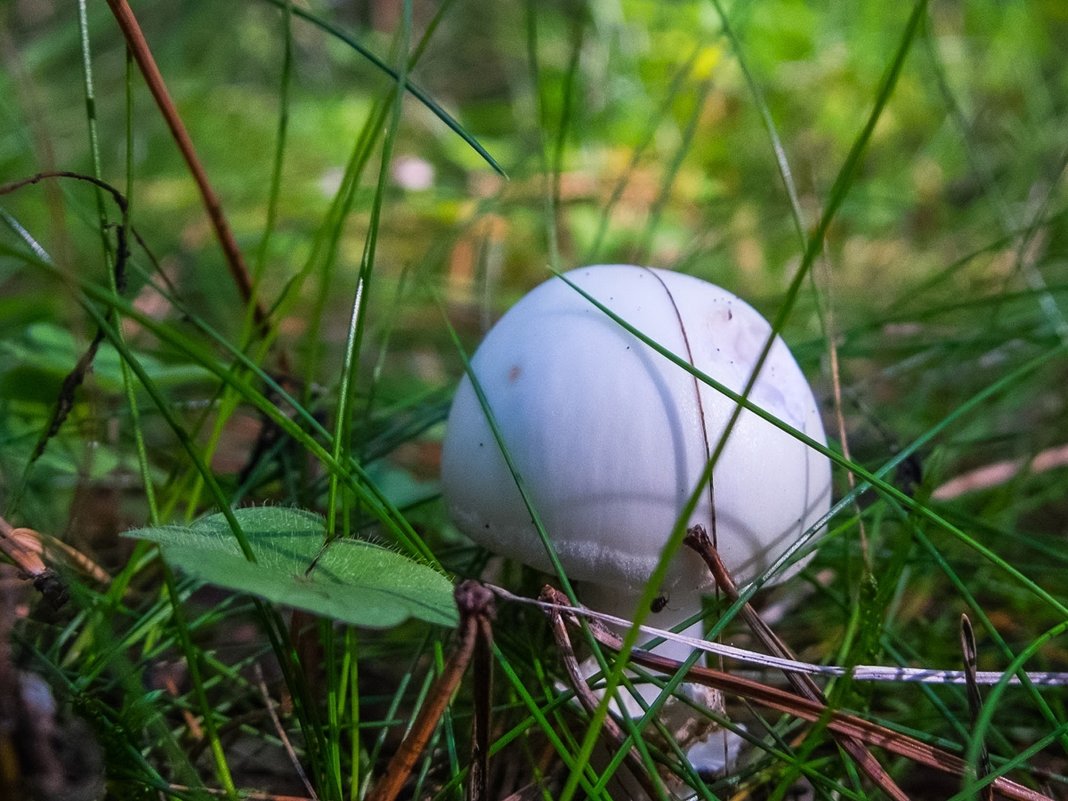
x=610, y=437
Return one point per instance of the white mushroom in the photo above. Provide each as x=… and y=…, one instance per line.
x=610, y=438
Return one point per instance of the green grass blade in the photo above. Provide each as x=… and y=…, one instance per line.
x=396, y=76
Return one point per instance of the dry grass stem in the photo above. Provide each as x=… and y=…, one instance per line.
x=835, y=720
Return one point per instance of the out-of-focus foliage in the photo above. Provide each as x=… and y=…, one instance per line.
x=630, y=131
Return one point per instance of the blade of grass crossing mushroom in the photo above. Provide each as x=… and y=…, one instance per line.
x=536, y=521
x=674, y=541
x=527, y=499
x=868, y=479
x=843, y=180
x=474, y=425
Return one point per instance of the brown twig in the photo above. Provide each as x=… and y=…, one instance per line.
x=478, y=773
x=269, y=703
x=475, y=603
x=697, y=539
x=135, y=40
x=589, y=702
x=839, y=417
x=804, y=708
x=975, y=700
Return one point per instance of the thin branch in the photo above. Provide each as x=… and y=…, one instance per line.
x=697, y=539
x=135, y=40
x=475, y=603
x=788, y=703
x=839, y=418
x=281, y=732
x=589, y=701
x=975, y=699
x=880, y=673
x=478, y=773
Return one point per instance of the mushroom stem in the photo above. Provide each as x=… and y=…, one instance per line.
x=708, y=748
x=669, y=612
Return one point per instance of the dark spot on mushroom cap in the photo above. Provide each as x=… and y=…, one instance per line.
x=514, y=372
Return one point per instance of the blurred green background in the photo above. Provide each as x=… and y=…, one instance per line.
x=701, y=136
x=629, y=132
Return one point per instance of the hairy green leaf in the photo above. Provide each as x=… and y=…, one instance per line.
x=352, y=581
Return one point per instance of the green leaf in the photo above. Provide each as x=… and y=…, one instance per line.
x=352, y=581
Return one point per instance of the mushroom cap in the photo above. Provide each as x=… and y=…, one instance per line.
x=610, y=437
